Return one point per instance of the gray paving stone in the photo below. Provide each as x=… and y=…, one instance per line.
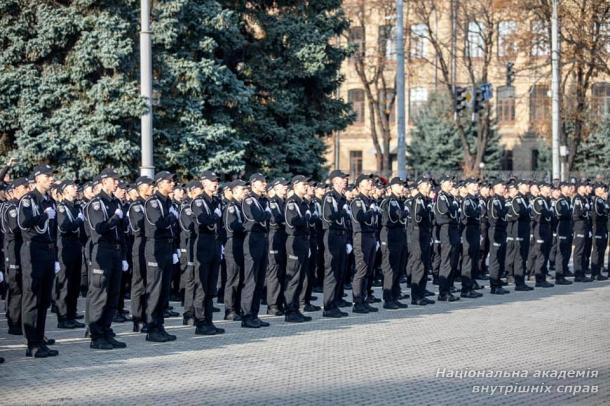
x=389, y=357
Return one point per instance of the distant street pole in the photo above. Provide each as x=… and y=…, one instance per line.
x=400, y=92
x=556, y=125
x=147, y=168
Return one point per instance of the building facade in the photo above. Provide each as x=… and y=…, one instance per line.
x=513, y=55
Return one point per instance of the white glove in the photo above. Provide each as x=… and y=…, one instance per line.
x=309, y=253
x=57, y=267
x=178, y=253
x=173, y=211
x=377, y=246
x=50, y=212
x=308, y=213
x=118, y=213
x=125, y=265
x=81, y=217
x=346, y=207
x=268, y=209
x=222, y=251
x=218, y=212
x=373, y=207
x=1, y=277
x=349, y=248
x=174, y=259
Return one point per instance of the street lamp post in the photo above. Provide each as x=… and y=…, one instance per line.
x=557, y=173
x=147, y=168
x=400, y=91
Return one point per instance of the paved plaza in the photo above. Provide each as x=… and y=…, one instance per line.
x=549, y=346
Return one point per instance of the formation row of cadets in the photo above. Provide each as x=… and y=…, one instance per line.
x=276, y=243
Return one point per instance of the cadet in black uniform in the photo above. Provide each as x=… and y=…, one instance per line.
x=599, y=222
x=257, y=213
x=364, y=216
x=161, y=217
x=471, y=239
x=563, y=212
x=420, y=229
x=336, y=243
x=276, y=270
x=542, y=235
x=298, y=217
x=496, y=213
x=580, y=221
x=446, y=216
x=70, y=252
x=12, y=248
x=207, y=213
x=234, y=250
x=519, y=232
x=188, y=239
x=36, y=219
x=393, y=239
x=104, y=217
x=135, y=215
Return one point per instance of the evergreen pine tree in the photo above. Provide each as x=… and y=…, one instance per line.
x=67, y=89
x=594, y=153
x=435, y=144
x=291, y=62
x=200, y=99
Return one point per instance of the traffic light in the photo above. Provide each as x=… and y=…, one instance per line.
x=510, y=74
x=461, y=99
x=479, y=100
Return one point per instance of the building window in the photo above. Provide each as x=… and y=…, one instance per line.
x=419, y=33
x=605, y=33
x=507, y=160
x=475, y=46
x=418, y=99
x=387, y=104
x=540, y=39
x=356, y=98
x=600, y=99
x=506, y=105
x=540, y=104
x=387, y=44
x=506, y=38
x=355, y=164
x=356, y=39
x=535, y=158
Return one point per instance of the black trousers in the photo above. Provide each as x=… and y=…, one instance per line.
x=13, y=279
x=435, y=253
x=483, y=251
x=600, y=242
x=138, y=281
x=517, y=251
x=420, y=250
x=541, y=249
x=255, y=265
x=206, y=278
x=580, y=242
x=67, y=281
x=394, y=260
x=450, y=240
x=276, y=270
x=158, y=274
x=335, y=267
x=234, y=256
x=562, y=258
x=319, y=259
x=104, y=284
x=37, y=261
x=497, y=255
x=471, y=249
x=309, y=272
x=297, y=264
x=364, y=253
